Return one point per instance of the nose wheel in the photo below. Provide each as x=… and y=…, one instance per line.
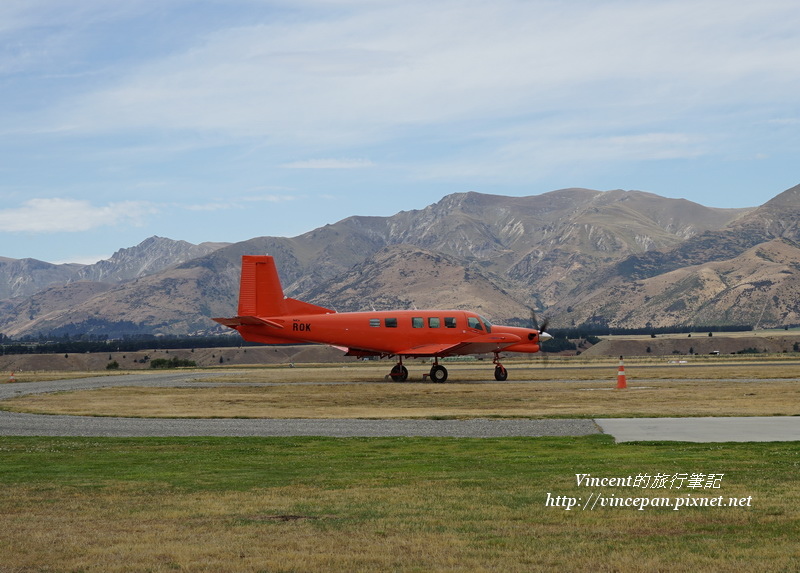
x=500, y=372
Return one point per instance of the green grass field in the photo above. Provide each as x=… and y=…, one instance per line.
x=391, y=504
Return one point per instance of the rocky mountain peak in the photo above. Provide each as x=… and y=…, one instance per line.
x=777, y=218
x=25, y=277
x=789, y=198
x=150, y=256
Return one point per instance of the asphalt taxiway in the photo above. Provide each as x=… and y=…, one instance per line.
x=706, y=429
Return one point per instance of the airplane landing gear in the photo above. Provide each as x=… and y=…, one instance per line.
x=500, y=372
x=438, y=373
x=399, y=372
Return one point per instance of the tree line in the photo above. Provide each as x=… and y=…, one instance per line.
x=98, y=343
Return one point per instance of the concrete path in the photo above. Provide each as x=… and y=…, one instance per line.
x=745, y=429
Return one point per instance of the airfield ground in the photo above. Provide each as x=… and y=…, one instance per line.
x=710, y=388
x=411, y=504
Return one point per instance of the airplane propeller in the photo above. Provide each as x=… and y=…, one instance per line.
x=543, y=335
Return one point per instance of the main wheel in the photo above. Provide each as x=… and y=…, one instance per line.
x=438, y=373
x=500, y=373
x=399, y=373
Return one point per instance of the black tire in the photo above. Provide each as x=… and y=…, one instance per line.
x=500, y=373
x=399, y=373
x=438, y=373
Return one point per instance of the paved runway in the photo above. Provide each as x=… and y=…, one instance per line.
x=744, y=429
x=776, y=428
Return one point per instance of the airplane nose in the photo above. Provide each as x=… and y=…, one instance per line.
x=544, y=337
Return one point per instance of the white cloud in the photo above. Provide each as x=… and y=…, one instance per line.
x=235, y=202
x=329, y=164
x=271, y=198
x=785, y=121
x=70, y=215
x=531, y=152
x=360, y=72
x=210, y=207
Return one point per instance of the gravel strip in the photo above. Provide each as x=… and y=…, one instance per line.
x=14, y=424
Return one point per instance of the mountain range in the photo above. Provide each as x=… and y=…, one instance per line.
x=578, y=256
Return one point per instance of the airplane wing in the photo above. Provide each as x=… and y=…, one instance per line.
x=428, y=350
x=481, y=344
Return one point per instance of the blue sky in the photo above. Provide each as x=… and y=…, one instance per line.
x=232, y=119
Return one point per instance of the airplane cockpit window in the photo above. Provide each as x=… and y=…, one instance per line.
x=434, y=322
x=450, y=321
x=390, y=322
x=473, y=322
x=487, y=324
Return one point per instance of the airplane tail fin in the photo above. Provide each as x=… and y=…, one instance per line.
x=261, y=293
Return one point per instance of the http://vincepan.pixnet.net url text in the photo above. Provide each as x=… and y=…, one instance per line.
x=658, y=491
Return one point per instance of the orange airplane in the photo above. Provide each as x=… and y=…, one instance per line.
x=267, y=316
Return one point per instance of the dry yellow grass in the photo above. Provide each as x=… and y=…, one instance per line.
x=707, y=387
x=389, y=400
x=550, y=370
x=126, y=529
x=261, y=531
x=47, y=376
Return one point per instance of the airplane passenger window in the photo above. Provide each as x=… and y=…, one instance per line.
x=390, y=322
x=374, y=321
x=417, y=322
x=474, y=323
x=450, y=321
x=434, y=322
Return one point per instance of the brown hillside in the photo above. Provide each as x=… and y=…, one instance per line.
x=759, y=287
x=406, y=277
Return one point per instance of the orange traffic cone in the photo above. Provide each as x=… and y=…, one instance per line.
x=12, y=379
x=622, y=381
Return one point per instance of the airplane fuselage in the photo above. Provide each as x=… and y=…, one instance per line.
x=411, y=332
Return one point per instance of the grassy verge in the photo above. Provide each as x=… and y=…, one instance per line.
x=550, y=369
x=408, y=504
x=389, y=400
x=48, y=376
